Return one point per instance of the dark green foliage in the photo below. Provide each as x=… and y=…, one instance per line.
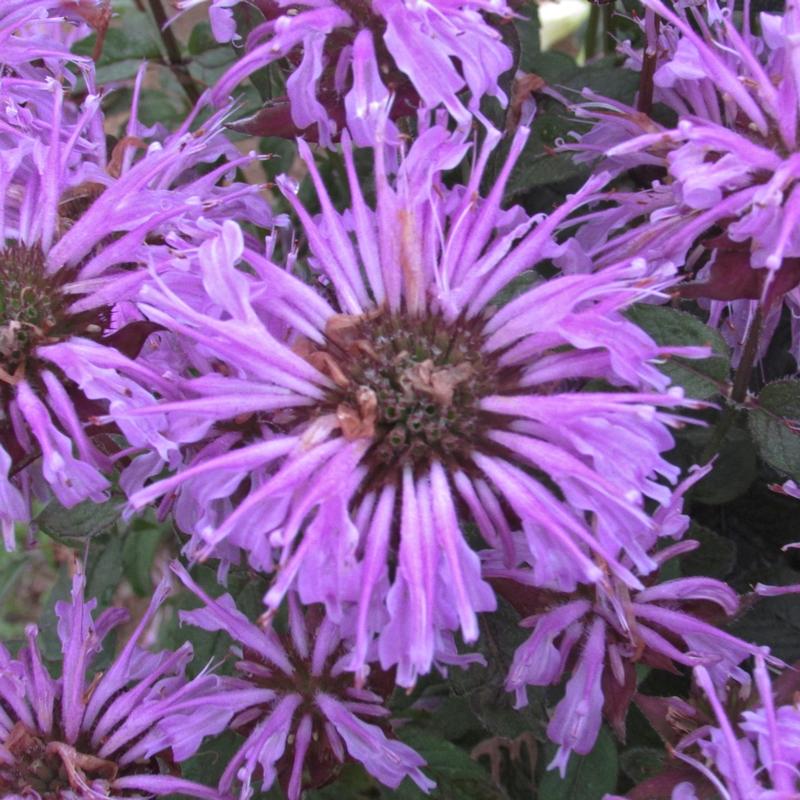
x=588, y=777
x=774, y=421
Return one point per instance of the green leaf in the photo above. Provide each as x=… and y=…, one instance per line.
x=132, y=36
x=527, y=26
x=640, y=763
x=521, y=284
x=588, y=777
x=775, y=424
x=715, y=558
x=700, y=378
x=735, y=468
x=138, y=554
x=774, y=621
x=247, y=592
x=15, y=569
x=553, y=65
x=49, y=642
x=281, y=152
x=538, y=165
x=457, y=776
x=352, y=783
x=201, y=39
x=484, y=687
x=605, y=77
x=104, y=569
x=75, y=526
x=207, y=766
x=207, y=645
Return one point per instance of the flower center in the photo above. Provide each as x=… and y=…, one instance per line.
x=412, y=385
x=31, y=306
x=50, y=769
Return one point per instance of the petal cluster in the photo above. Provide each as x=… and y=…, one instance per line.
x=292, y=689
x=726, y=200
x=347, y=59
x=88, y=734
x=80, y=227
x=341, y=429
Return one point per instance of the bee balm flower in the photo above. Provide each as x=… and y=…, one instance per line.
x=349, y=426
x=78, y=738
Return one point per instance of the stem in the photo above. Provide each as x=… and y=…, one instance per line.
x=592, y=28
x=741, y=382
x=644, y=101
x=748, y=360
x=174, y=57
x=608, y=29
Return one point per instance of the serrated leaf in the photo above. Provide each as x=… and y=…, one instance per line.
x=74, y=526
x=538, y=165
x=774, y=422
x=735, y=468
x=457, y=776
x=156, y=106
x=527, y=27
x=201, y=38
x=588, y=777
x=484, y=687
x=207, y=766
x=700, y=378
x=640, y=763
x=132, y=36
x=607, y=78
x=138, y=554
x=104, y=569
x=715, y=558
x=118, y=71
x=774, y=621
x=49, y=642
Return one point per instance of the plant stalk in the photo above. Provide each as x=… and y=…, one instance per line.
x=741, y=382
x=174, y=58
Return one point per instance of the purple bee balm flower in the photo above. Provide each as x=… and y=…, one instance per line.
x=296, y=705
x=599, y=634
x=756, y=758
x=35, y=42
x=94, y=735
x=348, y=57
x=79, y=232
x=354, y=423
x=727, y=200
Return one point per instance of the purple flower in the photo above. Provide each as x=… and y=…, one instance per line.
x=35, y=42
x=358, y=53
x=346, y=427
x=79, y=232
x=599, y=634
x=94, y=735
x=296, y=703
x=730, y=164
x=755, y=759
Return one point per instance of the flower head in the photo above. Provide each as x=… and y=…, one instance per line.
x=93, y=735
x=345, y=428
x=79, y=228
x=726, y=202
x=296, y=704
x=600, y=633
x=754, y=758
x=348, y=57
